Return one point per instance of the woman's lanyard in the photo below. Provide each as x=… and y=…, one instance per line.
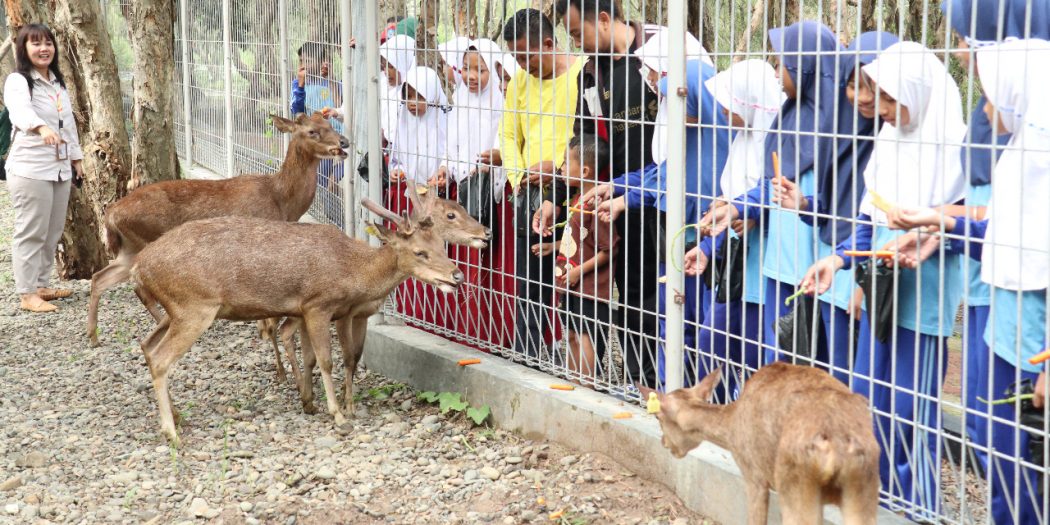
x=62, y=148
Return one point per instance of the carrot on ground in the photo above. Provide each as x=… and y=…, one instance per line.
x=563, y=387
x=622, y=415
x=465, y=362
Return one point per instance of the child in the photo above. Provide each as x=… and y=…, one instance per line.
x=312, y=91
x=750, y=97
x=585, y=266
x=473, y=126
x=1014, y=257
x=396, y=57
x=451, y=53
x=915, y=164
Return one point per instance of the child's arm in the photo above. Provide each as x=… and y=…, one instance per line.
x=571, y=278
x=543, y=249
x=298, y=98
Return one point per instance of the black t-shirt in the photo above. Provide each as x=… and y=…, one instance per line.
x=628, y=108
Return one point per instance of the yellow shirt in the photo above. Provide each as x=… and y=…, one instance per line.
x=538, y=119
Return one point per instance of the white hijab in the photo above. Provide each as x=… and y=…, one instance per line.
x=654, y=55
x=1016, y=252
x=400, y=53
x=749, y=89
x=420, y=145
x=451, y=52
x=917, y=165
x=475, y=118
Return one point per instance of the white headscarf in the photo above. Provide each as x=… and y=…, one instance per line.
x=1016, y=252
x=916, y=165
x=654, y=55
x=749, y=89
x=475, y=118
x=400, y=53
x=451, y=52
x=420, y=145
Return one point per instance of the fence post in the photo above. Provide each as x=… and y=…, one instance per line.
x=346, y=186
x=227, y=55
x=187, y=78
x=375, y=146
x=673, y=346
x=285, y=74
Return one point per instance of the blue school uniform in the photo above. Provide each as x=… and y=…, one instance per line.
x=315, y=96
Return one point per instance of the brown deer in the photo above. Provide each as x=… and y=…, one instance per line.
x=451, y=222
x=794, y=429
x=148, y=212
x=268, y=269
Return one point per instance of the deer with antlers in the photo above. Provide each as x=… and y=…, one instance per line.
x=270, y=269
x=150, y=211
x=794, y=429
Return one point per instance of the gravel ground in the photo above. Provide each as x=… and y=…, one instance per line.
x=79, y=440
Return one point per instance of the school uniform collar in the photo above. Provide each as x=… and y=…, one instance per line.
x=37, y=76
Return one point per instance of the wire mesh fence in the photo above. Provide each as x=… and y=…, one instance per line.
x=674, y=188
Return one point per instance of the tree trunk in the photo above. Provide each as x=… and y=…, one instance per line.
x=153, y=40
x=87, y=61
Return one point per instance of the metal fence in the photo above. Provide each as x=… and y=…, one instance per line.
x=863, y=128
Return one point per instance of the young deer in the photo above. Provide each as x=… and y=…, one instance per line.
x=794, y=429
x=148, y=212
x=269, y=269
x=450, y=221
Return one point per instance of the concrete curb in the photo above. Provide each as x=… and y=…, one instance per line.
x=707, y=480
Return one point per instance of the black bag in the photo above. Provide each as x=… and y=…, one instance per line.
x=796, y=328
x=1033, y=419
x=877, y=281
x=731, y=270
x=362, y=170
x=475, y=194
x=5, y=141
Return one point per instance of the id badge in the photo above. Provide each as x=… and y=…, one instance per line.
x=62, y=151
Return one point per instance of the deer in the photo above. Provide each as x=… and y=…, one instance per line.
x=148, y=212
x=794, y=429
x=270, y=269
x=450, y=221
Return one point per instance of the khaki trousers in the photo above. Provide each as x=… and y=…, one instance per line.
x=40, y=216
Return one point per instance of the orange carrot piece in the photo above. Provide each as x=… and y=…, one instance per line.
x=557, y=514
x=563, y=387
x=1040, y=357
x=465, y=362
x=622, y=415
x=882, y=254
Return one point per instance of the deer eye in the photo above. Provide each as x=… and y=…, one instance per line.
x=451, y=216
x=422, y=255
x=315, y=134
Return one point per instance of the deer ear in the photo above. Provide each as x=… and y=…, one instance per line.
x=426, y=222
x=706, y=389
x=300, y=118
x=282, y=124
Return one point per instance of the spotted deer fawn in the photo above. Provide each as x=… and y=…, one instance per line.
x=794, y=429
x=148, y=212
x=270, y=269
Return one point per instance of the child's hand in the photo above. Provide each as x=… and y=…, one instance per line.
x=910, y=218
x=856, y=303
x=913, y=248
x=440, y=178
x=542, y=249
x=1039, y=397
x=300, y=76
x=819, y=277
x=740, y=226
x=695, y=262
x=717, y=219
x=597, y=195
x=570, y=278
x=608, y=211
x=543, y=219
x=787, y=194
x=353, y=42
x=325, y=66
x=541, y=173
x=491, y=157
x=397, y=175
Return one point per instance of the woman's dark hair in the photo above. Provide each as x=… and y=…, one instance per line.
x=34, y=33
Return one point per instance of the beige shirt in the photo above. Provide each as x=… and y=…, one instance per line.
x=29, y=157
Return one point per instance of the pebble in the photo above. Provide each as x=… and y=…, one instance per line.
x=470, y=475
x=490, y=473
x=431, y=419
x=32, y=460
x=11, y=508
x=246, y=506
x=125, y=477
x=365, y=438
x=326, y=442
x=514, y=460
x=11, y=484
x=325, y=473
x=199, y=508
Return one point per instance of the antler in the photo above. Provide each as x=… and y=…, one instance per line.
x=381, y=211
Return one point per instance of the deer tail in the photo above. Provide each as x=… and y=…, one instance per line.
x=113, y=238
x=826, y=459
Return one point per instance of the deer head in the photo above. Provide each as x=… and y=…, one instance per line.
x=315, y=134
x=420, y=251
x=451, y=220
x=681, y=424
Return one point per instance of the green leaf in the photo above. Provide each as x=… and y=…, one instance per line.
x=451, y=401
x=428, y=396
x=478, y=415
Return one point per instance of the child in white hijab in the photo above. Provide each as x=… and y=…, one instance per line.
x=397, y=56
x=915, y=163
x=421, y=129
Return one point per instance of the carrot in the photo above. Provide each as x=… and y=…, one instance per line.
x=557, y=514
x=465, y=362
x=563, y=387
x=622, y=415
x=1040, y=357
x=882, y=254
x=776, y=164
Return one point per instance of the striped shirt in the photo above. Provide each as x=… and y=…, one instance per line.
x=29, y=157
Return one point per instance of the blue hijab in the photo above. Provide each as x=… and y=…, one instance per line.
x=983, y=22
x=840, y=190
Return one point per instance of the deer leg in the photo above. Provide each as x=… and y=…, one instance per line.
x=115, y=272
x=268, y=331
x=288, y=329
x=860, y=501
x=177, y=339
x=150, y=303
x=757, y=501
x=351, y=332
x=317, y=333
x=801, y=504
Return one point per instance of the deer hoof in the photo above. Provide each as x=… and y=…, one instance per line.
x=309, y=408
x=281, y=376
x=344, y=428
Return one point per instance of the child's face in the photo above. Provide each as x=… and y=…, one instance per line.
x=989, y=111
x=962, y=51
x=392, y=76
x=860, y=93
x=450, y=74
x=500, y=73
x=312, y=65
x=574, y=171
x=414, y=102
x=734, y=118
x=888, y=108
x=786, y=82
x=653, y=79
x=475, y=72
